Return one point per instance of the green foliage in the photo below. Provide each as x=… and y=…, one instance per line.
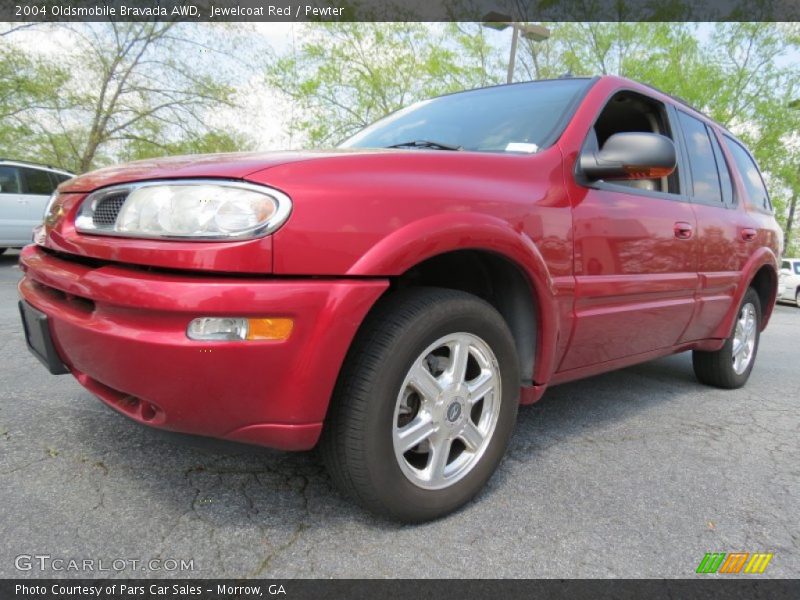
x=744, y=75
x=122, y=90
x=135, y=90
x=26, y=85
x=342, y=76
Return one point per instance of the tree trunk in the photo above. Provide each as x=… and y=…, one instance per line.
x=787, y=233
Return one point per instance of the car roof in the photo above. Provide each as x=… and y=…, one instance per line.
x=33, y=165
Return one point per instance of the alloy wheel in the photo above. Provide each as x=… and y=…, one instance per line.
x=744, y=338
x=447, y=410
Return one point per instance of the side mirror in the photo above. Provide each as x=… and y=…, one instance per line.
x=630, y=155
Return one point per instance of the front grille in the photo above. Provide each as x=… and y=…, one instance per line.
x=106, y=211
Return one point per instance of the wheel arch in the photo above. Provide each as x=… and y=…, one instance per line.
x=760, y=273
x=765, y=283
x=485, y=256
x=495, y=279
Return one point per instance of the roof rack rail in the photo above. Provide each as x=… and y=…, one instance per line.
x=687, y=105
x=30, y=162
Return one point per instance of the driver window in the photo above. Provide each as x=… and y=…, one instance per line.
x=628, y=111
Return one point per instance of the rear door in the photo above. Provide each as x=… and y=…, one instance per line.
x=635, y=265
x=13, y=207
x=722, y=251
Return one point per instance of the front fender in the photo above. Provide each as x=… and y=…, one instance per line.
x=438, y=234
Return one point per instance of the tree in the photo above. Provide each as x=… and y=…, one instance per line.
x=134, y=90
x=343, y=76
x=740, y=74
x=26, y=85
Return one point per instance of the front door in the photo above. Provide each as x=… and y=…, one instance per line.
x=635, y=265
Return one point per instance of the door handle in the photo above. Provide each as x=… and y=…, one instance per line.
x=748, y=234
x=683, y=230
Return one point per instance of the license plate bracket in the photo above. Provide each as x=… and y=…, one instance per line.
x=39, y=340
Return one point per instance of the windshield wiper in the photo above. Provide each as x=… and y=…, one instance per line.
x=426, y=144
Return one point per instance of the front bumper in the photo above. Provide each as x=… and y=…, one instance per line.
x=121, y=332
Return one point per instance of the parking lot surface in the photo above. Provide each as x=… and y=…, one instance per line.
x=636, y=473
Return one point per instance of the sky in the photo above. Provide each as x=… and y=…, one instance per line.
x=268, y=112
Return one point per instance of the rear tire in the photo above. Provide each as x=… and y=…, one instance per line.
x=797, y=298
x=433, y=373
x=730, y=366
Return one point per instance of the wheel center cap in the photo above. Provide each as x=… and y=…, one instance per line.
x=453, y=413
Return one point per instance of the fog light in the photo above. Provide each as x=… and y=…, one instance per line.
x=234, y=328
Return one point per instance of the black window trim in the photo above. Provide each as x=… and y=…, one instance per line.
x=690, y=176
x=607, y=186
x=748, y=205
x=714, y=130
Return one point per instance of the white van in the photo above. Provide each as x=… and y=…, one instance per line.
x=789, y=281
x=24, y=190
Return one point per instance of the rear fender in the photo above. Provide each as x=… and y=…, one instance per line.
x=763, y=256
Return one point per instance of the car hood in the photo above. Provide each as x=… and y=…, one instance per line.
x=225, y=166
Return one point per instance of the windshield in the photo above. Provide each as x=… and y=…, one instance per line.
x=508, y=118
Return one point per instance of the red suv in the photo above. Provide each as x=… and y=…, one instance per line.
x=395, y=299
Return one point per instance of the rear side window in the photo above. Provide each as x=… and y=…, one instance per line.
x=722, y=167
x=37, y=182
x=705, y=178
x=9, y=180
x=757, y=196
x=56, y=179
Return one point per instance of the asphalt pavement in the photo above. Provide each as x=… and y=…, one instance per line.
x=636, y=473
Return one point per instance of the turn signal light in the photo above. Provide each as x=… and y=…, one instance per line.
x=269, y=329
x=238, y=328
x=647, y=172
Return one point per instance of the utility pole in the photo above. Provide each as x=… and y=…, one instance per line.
x=498, y=21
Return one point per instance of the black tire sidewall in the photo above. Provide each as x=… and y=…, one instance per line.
x=397, y=493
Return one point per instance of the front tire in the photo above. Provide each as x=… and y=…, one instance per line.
x=730, y=366
x=425, y=405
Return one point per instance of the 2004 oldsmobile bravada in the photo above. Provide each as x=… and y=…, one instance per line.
x=395, y=299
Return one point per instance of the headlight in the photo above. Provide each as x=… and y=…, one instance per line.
x=49, y=206
x=189, y=209
x=53, y=211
